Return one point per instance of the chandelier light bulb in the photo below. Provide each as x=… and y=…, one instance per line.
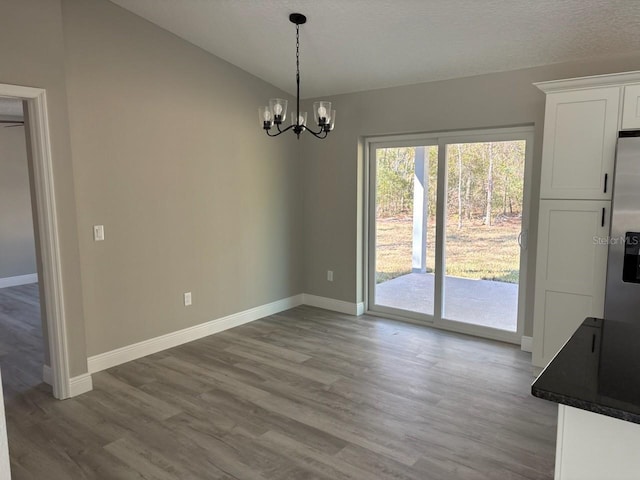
x=322, y=112
x=278, y=108
x=299, y=120
x=267, y=116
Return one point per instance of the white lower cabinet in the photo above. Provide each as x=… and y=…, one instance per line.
x=591, y=446
x=570, y=271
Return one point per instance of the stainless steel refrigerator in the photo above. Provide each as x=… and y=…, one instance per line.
x=622, y=296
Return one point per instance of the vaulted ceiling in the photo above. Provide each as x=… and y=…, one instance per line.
x=354, y=45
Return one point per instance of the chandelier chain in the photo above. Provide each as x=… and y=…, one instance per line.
x=298, y=75
x=298, y=50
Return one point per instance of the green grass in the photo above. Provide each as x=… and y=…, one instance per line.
x=475, y=251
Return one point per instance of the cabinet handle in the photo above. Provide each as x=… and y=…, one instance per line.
x=602, y=217
x=606, y=182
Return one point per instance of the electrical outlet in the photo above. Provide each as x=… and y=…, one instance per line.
x=330, y=275
x=187, y=299
x=98, y=233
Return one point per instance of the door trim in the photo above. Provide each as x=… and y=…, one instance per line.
x=525, y=132
x=37, y=121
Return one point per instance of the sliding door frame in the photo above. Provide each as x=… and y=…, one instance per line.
x=442, y=139
x=371, y=145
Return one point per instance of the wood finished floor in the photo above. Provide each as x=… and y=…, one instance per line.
x=306, y=394
x=21, y=348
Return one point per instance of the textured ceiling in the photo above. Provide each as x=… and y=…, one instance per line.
x=10, y=107
x=354, y=45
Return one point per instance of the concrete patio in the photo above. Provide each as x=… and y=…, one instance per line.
x=479, y=302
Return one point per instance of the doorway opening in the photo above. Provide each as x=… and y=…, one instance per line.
x=447, y=229
x=34, y=101
x=22, y=354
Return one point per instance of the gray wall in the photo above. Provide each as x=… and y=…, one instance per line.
x=159, y=141
x=333, y=168
x=169, y=156
x=31, y=53
x=17, y=244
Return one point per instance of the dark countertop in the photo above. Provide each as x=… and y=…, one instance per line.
x=598, y=370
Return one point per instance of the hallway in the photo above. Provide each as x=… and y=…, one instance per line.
x=21, y=344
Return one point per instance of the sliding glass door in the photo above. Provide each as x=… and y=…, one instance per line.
x=447, y=221
x=405, y=210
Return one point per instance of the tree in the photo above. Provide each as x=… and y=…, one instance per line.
x=483, y=179
x=459, y=187
x=395, y=167
x=487, y=218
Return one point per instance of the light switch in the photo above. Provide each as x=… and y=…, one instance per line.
x=98, y=233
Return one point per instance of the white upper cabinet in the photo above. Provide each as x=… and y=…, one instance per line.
x=580, y=133
x=631, y=109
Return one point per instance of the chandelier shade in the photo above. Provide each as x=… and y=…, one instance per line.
x=322, y=113
x=274, y=114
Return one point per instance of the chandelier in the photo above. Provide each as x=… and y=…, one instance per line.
x=276, y=112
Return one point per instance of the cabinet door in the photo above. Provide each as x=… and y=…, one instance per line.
x=580, y=132
x=570, y=271
x=631, y=107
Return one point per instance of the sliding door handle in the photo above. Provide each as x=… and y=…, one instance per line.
x=522, y=239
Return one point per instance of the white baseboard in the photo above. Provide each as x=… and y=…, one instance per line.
x=334, y=305
x=102, y=361
x=19, y=280
x=122, y=355
x=80, y=384
x=526, y=344
x=77, y=385
x=47, y=375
